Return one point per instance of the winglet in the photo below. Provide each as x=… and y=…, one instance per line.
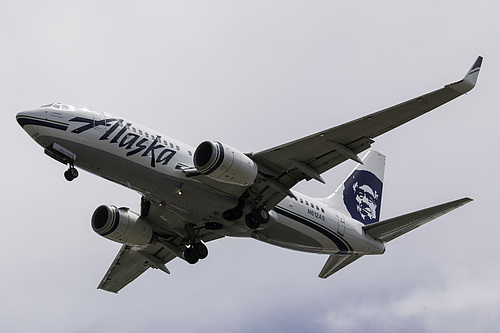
x=469, y=81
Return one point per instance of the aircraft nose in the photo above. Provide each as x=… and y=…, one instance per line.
x=29, y=120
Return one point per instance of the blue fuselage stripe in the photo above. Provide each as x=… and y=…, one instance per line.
x=23, y=121
x=341, y=245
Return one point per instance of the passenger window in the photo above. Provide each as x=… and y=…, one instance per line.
x=301, y=201
x=317, y=207
x=322, y=210
x=146, y=134
x=190, y=153
x=140, y=132
x=177, y=147
x=133, y=129
x=171, y=145
x=307, y=203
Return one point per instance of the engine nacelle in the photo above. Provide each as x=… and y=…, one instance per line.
x=224, y=163
x=122, y=225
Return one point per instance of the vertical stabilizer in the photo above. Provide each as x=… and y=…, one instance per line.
x=360, y=195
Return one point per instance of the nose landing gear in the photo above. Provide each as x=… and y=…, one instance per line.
x=65, y=156
x=71, y=173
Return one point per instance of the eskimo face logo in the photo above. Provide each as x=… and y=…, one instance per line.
x=362, y=196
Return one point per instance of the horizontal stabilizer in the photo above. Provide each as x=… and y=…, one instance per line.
x=336, y=262
x=389, y=229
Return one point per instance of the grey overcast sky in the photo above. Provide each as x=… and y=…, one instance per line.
x=254, y=74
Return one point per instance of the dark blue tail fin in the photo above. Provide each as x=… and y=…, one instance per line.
x=360, y=195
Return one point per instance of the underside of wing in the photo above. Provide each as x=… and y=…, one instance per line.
x=389, y=229
x=285, y=165
x=132, y=261
x=336, y=262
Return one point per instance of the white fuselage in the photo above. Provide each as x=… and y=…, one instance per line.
x=155, y=165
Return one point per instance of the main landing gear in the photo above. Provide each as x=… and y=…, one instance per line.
x=257, y=217
x=253, y=220
x=196, y=250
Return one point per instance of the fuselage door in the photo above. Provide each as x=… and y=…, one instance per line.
x=99, y=120
x=341, y=225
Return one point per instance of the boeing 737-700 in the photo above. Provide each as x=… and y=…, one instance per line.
x=191, y=196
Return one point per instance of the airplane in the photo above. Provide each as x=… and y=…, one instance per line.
x=193, y=195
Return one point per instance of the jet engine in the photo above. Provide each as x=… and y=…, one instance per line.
x=224, y=163
x=122, y=225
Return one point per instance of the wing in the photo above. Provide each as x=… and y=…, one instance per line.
x=389, y=229
x=336, y=262
x=284, y=166
x=132, y=261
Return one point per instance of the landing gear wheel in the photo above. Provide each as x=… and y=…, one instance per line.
x=191, y=256
x=200, y=250
x=261, y=215
x=251, y=223
x=70, y=174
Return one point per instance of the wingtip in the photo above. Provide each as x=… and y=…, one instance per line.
x=477, y=64
x=467, y=200
x=469, y=81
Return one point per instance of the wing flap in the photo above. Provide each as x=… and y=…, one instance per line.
x=336, y=262
x=390, y=229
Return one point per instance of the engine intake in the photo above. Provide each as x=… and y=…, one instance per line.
x=122, y=225
x=224, y=163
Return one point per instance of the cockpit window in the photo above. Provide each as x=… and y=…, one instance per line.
x=66, y=107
